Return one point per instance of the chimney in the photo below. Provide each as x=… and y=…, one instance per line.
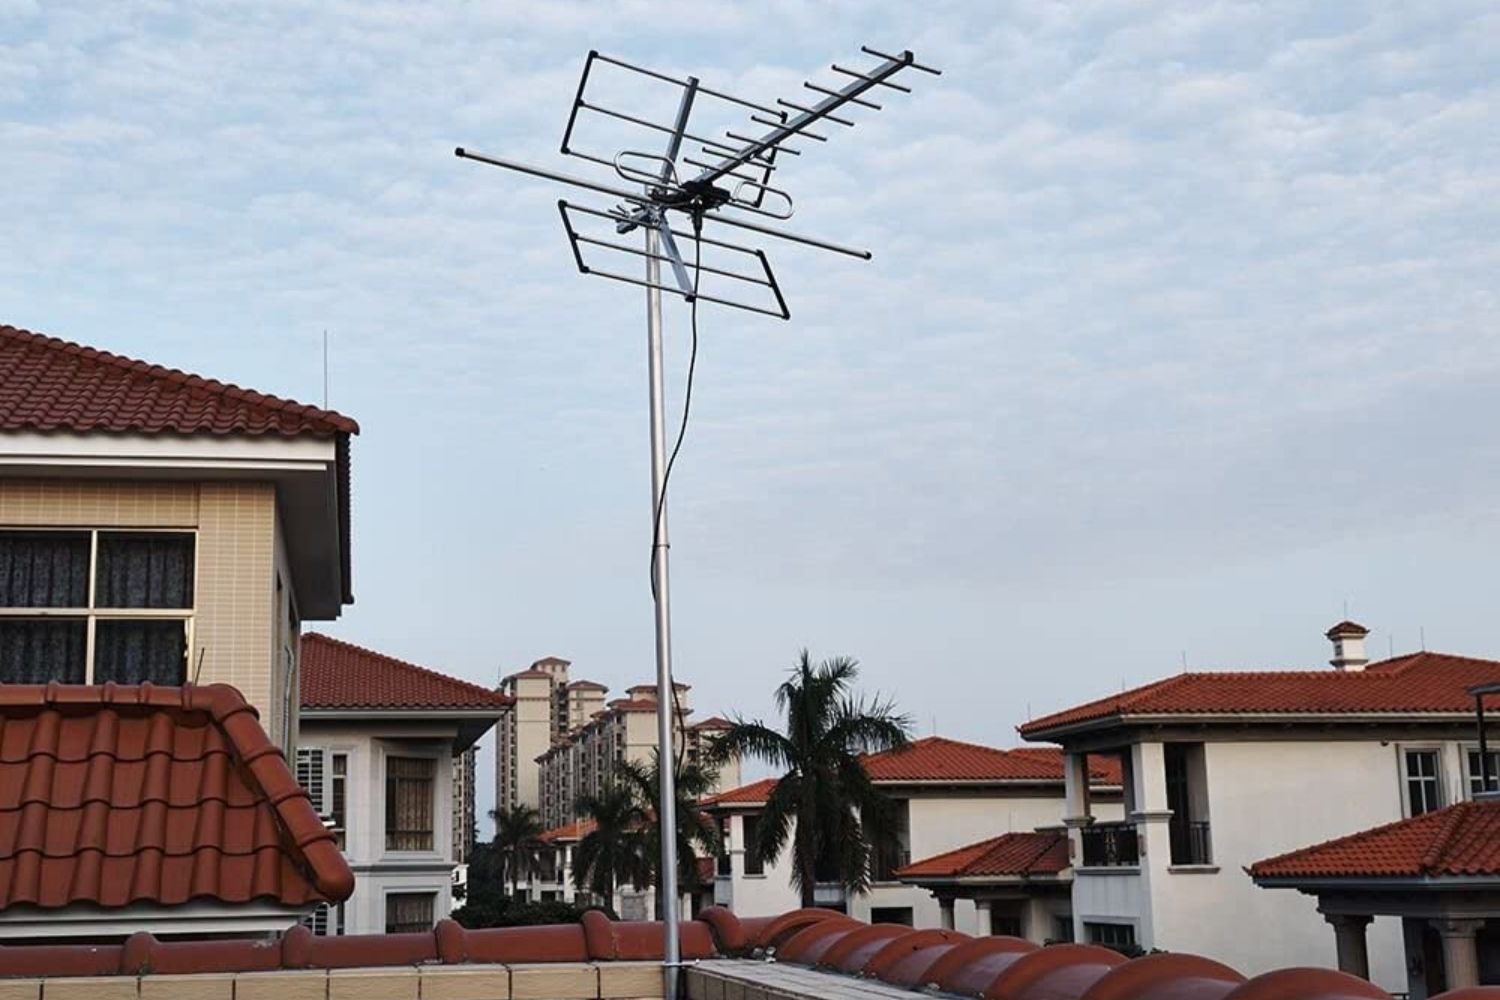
x=1348, y=640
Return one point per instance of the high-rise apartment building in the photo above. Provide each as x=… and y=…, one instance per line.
x=547, y=707
x=464, y=773
x=583, y=761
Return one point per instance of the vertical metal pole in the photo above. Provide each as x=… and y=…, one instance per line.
x=666, y=756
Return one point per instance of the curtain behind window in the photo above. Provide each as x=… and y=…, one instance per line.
x=44, y=569
x=137, y=650
x=409, y=912
x=408, y=803
x=38, y=650
x=144, y=570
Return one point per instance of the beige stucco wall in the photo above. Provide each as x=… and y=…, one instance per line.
x=235, y=619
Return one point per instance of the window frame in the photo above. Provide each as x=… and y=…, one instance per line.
x=412, y=753
x=391, y=894
x=92, y=613
x=1472, y=777
x=1439, y=784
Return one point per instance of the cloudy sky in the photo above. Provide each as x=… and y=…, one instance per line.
x=1181, y=336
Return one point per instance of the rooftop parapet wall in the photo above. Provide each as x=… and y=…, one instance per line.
x=820, y=953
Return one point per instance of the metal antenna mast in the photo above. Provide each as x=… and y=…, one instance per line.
x=708, y=148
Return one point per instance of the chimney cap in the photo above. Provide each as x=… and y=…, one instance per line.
x=1347, y=628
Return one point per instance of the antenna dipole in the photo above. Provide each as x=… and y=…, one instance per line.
x=740, y=276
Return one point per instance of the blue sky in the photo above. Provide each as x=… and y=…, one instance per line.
x=1182, y=329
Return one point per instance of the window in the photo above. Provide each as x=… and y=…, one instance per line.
x=754, y=863
x=1187, y=797
x=893, y=847
x=1110, y=935
x=1423, y=782
x=84, y=606
x=326, y=920
x=1004, y=924
x=1476, y=773
x=1062, y=930
x=338, y=784
x=891, y=915
x=408, y=803
x=409, y=912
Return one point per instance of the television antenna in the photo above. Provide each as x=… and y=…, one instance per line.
x=712, y=169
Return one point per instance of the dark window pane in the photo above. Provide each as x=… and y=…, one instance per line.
x=144, y=570
x=409, y=912
x=37, y=650
x=44, y=569
x=408, y=803
x=137, y=650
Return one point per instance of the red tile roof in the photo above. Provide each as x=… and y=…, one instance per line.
x=48, y=384
x=1407, y=685
x=753, y=794
x=713, y=722
x=587, y=685
x=339, y=675
x=936, y=758
x=568, y=832
x=1462, y=840
x=631, y=705
x=1010, y=855
x=116, y=795
x=1347, y=627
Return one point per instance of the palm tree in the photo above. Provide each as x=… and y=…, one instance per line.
x=694, y=828
x=518, y=829
x=610, y=854
x=824, y=793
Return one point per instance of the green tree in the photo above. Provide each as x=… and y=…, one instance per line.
x=610, y=854
x=694, y=827
x=824, y=802
x=518, y=832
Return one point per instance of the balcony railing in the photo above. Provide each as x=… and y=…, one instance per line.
x=1190, y=842
x=1110, y=845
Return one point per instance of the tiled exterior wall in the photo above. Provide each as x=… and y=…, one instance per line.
x=561, y=981
x=234, y=624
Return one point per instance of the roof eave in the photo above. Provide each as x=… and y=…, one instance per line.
x=1122, y=720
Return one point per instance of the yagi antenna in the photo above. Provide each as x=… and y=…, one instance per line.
x=678, y=155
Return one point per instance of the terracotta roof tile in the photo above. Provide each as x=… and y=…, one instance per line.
x=937, y=758
x=48, y=384
x=1346, y=627
x=340, y=675
x=1462, y=840
x=568, y=832
x=1008, y=855
x=754, y=793
x=122, y=794
x=1418, y=683
x=587, y=686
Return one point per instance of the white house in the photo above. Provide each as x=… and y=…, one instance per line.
x=376, y=755
x=947, y=794
x=1223, y=769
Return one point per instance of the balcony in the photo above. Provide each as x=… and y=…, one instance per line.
x=1191, y=844
x=1110, y=845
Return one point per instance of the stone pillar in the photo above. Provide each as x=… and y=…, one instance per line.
x=984, y=926
x=945, y=911
x=1460, y=952
x=1349, y=938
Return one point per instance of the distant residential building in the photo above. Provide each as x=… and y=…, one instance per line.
x=583, y=761
x=380, y=740
x=946, y=794
x=134, y=808
x=465, y=770
x=547, y=706
x=1222, y=770
x=164, y=527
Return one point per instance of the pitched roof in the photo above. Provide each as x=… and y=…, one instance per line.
x=713, y=722
x=753, y=794
x=587, y=685
x=1417, y=683
x=568, y=832
x=1346, y=627
x=47, y=384
x=937, y=758
x=1461, y=840
x=340, y=675
x=1010, y=855
x=128, y=794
